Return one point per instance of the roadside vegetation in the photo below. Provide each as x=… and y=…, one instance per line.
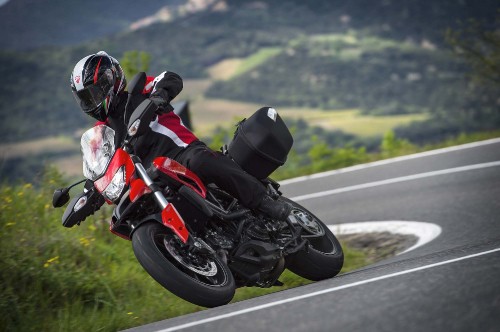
x=83, y=278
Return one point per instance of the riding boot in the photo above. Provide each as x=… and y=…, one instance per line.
x=275, y=209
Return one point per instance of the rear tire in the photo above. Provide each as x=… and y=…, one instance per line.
x=200, y=279
x=324, y=258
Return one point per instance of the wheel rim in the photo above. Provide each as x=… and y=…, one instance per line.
x=202, y=269
x=195, y=263
x=307, y=222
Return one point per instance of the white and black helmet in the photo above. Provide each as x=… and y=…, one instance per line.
x=95, y=81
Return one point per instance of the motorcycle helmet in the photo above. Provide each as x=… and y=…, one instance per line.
x=95, y=81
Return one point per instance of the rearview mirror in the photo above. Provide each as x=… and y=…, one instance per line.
x=136, y=85
x=141, y=117
x=60, y=197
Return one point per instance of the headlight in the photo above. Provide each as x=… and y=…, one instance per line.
x=115, y=187
x=98, y=148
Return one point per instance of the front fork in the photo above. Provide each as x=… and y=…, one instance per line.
x=158, y=194
x=169, y=215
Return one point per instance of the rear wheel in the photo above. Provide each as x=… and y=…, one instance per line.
x=202, y=279
x=324, y=257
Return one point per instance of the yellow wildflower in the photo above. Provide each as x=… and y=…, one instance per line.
x=85, y=241
x=50, y=261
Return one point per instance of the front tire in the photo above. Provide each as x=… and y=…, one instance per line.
x=324, y=258
x=200, y=279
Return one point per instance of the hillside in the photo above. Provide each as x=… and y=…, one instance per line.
x=334, y=71
x=28, y=24
x=394, y=40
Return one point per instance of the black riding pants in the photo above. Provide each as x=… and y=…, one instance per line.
x=214, y=167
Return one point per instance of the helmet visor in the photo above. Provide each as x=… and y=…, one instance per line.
x=94, y=95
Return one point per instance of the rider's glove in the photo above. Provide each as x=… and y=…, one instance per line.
x=162, y=100
x=166, y=89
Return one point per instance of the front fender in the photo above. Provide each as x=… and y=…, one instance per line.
x=135, y=224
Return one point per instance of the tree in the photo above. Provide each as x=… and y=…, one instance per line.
x=392, y=146
x=479, y=45
x=133, y=62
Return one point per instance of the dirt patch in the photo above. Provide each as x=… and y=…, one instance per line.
x=378, y=246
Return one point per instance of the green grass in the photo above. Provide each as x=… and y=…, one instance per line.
x=78, y=279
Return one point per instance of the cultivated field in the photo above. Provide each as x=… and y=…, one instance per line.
x=208, y=114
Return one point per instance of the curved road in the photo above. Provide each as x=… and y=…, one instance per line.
x=450, y=284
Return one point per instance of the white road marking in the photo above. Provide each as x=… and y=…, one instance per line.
x=395, y=180
x=424, y=231
x=324, y=291
x=392, y=160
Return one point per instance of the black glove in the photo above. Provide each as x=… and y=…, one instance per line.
x=166, y=89
x=172, y=83
x=162, y=100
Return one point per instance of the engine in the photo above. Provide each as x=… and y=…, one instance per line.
x=252, y=255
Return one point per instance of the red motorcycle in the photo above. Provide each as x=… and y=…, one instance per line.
x=195, y=239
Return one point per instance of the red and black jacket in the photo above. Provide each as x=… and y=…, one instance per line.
x=168, y=135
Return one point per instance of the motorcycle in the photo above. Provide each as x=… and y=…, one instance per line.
x=195, y=239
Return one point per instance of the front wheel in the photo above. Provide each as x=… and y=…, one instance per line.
x=324, y=257
x=202, y=279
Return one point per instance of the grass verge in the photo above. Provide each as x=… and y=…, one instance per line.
x=83, y=278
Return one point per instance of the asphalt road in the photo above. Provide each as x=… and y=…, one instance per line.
x=450, y=284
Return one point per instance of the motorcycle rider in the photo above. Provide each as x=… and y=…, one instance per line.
x=98, y=84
